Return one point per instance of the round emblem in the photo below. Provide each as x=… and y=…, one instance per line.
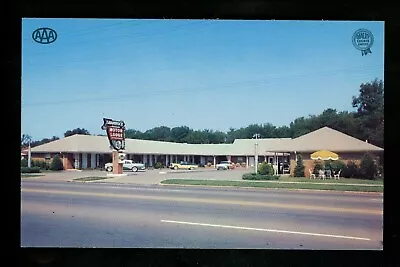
x=363, y=40
x=118, y=145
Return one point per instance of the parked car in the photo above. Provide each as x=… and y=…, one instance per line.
x=128, y=165
x=225, y=165
x=183, y=165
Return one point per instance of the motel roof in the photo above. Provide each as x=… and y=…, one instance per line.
x=322, y=139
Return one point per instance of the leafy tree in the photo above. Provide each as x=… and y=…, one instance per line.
x=25, y=139
x=162, y=133
x=368, y=168
x=299, y=169
x=370, y=110
x=44, y=141
x=178, y=134
x=56, y=164
x=76, y=131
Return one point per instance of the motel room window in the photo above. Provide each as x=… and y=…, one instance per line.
x=47, y=156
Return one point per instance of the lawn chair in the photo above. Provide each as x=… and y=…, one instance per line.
x=328, y=174
x=337, y=175
x=312, y=175
x=321, y=174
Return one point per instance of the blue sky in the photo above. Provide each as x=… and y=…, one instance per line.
x=212, y=74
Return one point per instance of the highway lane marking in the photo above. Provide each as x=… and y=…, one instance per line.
x=266, y=230
x=209, y=201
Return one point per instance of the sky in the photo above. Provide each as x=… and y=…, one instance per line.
x=205, y=74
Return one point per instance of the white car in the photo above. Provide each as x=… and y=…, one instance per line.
x=225, y=165
x=127, y=165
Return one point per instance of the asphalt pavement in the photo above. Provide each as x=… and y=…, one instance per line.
x=61, y=214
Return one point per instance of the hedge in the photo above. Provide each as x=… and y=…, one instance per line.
x=30, y=170
x=253, y=176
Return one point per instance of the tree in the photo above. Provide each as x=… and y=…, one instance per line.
x=76, y=131
x=370, y=110
x=44, y=141
x=178, y=134
x=162, y=133
x=299, y=169
x=368, y=168
x=25, y=139
x=56, y=164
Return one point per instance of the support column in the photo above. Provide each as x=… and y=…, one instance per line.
x=150, y=160
x=202, y=160
x=155, y=159
x=265, y=158
x=84, y=160
x=93, y=161
x=166, y=160
x=247, y=161
x=97, y=160
x=229, y=158
x=144, y=159
x=184, y=158
x=215, y=164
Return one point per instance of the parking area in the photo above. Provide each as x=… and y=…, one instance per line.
x=148, y=176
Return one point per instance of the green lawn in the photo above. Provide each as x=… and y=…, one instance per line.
x=91, y=178
x=359, y=188
x=341, y=180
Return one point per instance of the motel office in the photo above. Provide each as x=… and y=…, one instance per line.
x=89, y=152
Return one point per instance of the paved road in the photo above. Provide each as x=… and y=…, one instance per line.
x=65, y=214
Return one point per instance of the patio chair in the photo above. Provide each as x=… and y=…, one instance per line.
x=337, y=175
x=321, y=174
x=312, y=175
x=328, y=174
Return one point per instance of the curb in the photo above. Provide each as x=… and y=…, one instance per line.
x=271, y=188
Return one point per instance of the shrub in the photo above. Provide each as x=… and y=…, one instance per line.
x=299, y=169
x=319, y=165
x=41, y=164
x=209, y=164
x=24, y=162
x=243, y=164
x=253, y=176
x=265, y=169
x=56, y=164
x=368, y=168
x=158, y=165
x=30, y=170
x=337, y=165
x=351, y=170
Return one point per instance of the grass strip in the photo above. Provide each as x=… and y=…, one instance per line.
x=358, y=188
x=91, y=178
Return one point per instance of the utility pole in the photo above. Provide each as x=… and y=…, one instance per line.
x=256, y=136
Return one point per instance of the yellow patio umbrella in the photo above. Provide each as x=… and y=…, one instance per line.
x=324, y=155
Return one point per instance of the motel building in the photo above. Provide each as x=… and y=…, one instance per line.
x=93, y=152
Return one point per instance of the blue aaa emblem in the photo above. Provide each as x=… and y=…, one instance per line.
x=44, y=36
